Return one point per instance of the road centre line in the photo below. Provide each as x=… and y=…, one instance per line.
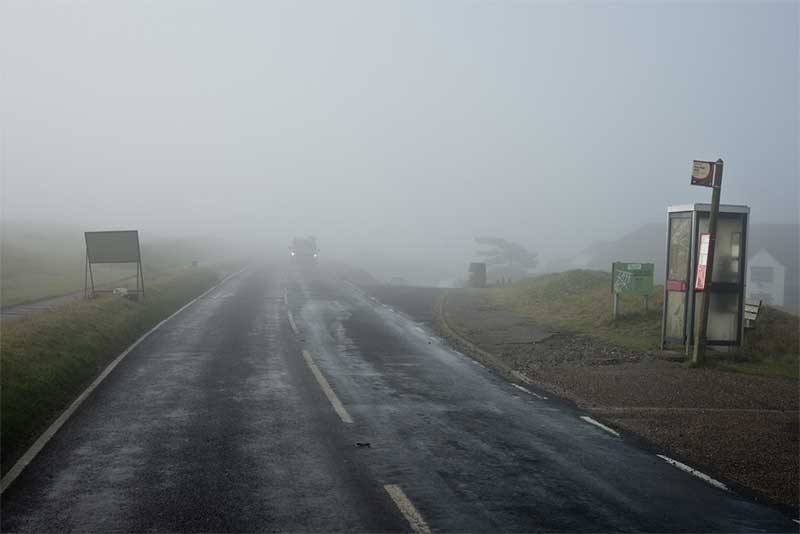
x=702, y=476
x=600, y=425
x=408, y=510
x=291, y=322
x=326, y=388
x=39, y=444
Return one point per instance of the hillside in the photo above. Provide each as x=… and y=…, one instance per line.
x=648, y=244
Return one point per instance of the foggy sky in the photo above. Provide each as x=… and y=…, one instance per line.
x=404, y=128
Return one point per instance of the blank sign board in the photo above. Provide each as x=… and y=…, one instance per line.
x=113, y=247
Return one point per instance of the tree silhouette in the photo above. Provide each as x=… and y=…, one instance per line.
x=502, y=252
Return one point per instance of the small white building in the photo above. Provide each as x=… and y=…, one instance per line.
x=765, y=278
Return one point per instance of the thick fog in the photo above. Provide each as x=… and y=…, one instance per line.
x=394, y=130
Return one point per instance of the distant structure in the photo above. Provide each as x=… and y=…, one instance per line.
x=477, y=274
x=766, y=279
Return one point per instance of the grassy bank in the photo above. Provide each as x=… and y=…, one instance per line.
x=772, y=348
x=580, y=301
x=43, y=261
x=47, y=360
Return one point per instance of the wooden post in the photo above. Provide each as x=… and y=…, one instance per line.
x=702, y=328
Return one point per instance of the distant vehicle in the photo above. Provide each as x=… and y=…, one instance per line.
x=304, y=250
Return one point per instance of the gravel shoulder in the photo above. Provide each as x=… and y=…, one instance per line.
x=739, y=428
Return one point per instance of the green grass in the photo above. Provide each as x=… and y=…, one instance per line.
x=580, y=301
x=46, y=360
x=37, y=262
x=769, y=349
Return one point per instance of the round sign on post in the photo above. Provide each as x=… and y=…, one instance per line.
x=703, y=173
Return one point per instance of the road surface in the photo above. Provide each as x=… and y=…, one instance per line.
x=290, y=401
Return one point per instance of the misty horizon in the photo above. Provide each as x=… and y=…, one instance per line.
x=400, y=130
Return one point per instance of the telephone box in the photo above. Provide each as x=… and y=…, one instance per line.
x=685, y=275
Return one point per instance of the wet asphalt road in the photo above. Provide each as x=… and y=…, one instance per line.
x=226, y=419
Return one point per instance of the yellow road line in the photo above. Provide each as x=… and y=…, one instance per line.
x=408, y=510
x=326, y=388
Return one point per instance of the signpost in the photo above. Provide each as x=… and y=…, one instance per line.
x=631, y=278
x=705, y=173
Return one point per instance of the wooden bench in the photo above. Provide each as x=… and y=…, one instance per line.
x=751, y=311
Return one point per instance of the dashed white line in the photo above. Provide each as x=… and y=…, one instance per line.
x=285, y=297
x=291, y=321
x=702, y=476
x=326, y=388
x=529, y=392
x=522, y=378
x=414, y=518
x=599, y=425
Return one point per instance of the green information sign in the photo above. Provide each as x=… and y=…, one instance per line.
x=632, y=278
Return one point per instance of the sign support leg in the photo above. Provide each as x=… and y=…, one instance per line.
x=91, y=279
x=86, y=277
x=140, y=275
x=702, y=327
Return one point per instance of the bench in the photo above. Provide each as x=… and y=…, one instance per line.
x=751, y=310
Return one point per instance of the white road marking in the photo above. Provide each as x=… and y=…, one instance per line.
x=599, y=425
x=521, y=377
x=796, y=521
x=408, y=510
x=702, y=476
x=326, y=388
x=39, y=444
x=286, y=297
x=529, y=392
x=291, y=322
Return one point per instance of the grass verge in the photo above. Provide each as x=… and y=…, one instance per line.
x=48, y=359
x=580, y=301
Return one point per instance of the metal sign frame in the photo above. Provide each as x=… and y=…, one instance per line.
x=89, y=289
